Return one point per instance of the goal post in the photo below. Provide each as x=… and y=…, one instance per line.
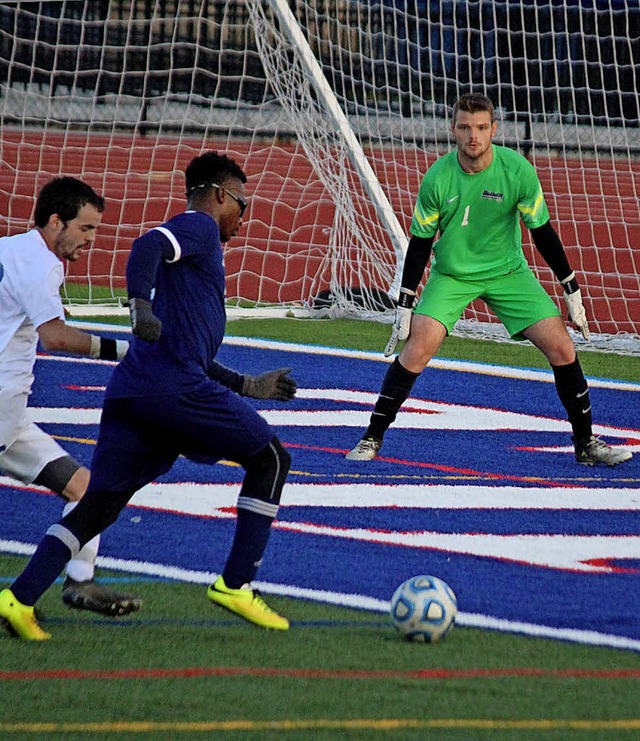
x=330, y=135
x=335, y=109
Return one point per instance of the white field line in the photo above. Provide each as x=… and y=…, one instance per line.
x=207, y=499
x=418, y=415
x=489, y=369
x=599, y=554
x=356, y=601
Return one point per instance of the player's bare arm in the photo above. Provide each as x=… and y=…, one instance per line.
x=57, y=336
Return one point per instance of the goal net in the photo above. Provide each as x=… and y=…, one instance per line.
x=335, y=109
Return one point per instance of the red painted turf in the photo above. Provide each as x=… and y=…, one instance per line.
x=347, y=674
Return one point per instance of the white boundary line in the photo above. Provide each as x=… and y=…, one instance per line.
x=440, y=363
x=355, y=601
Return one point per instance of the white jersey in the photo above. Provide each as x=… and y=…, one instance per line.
x=30, y=280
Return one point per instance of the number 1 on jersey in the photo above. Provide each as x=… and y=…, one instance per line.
x=465, y=216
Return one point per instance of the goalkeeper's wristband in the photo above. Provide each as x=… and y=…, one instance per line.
x=406, y=299
x=105, y=348
x=570, y=283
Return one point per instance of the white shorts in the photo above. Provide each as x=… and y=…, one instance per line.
x=25, y=449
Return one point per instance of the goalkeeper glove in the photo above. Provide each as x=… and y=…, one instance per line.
x=275, y=384
x=402, y=324
x=573, y=300
x=144, y=323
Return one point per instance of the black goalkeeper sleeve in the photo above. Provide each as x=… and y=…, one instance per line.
x=548, y=244
x=415, y=261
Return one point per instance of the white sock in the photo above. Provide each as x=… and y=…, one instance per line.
x=82, y=566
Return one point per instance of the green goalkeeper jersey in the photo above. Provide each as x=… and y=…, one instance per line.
x=478, y=215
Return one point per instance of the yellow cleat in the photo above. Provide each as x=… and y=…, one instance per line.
x=19, y=619
x=247, y=604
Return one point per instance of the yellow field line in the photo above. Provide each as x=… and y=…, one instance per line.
x=69, y=439
x=630, y=724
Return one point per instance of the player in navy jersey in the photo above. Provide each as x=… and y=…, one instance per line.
x=169, y=397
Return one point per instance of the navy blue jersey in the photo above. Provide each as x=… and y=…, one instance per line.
x=188, y=298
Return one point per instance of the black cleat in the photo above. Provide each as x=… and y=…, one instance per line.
x=89, y=595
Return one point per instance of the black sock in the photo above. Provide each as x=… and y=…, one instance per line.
x=574, y=394
x=396, y=386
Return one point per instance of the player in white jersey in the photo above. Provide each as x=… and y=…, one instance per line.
x=67, y=214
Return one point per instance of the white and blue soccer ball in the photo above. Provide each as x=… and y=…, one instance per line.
x=424, y=608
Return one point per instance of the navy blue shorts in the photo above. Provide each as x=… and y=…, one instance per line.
x=140, y=438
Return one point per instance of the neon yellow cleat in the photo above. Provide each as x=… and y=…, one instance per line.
x=247, y=604
x=19, y=619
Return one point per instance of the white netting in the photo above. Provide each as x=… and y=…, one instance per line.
x=124, y=92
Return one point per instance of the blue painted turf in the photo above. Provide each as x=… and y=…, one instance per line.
x=485, y=584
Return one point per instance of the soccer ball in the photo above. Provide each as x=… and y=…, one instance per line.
x=424, y=608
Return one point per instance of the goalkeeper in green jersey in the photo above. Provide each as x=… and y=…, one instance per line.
x=475, y=197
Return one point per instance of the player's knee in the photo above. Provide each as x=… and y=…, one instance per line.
x=96, y=511
x=416, y=355
x=64, y=476
x=283, y=464
x=77, y=485
x=561, y=355
x=283, y=456
x=267, y=471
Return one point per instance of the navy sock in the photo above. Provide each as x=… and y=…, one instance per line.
x=43, y=569
x=249, y=543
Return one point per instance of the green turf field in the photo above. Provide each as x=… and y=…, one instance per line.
x=182, y=668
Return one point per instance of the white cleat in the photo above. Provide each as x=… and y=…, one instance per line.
x=366, y=450
x=596, y=451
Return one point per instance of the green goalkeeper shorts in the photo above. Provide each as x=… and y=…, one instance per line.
x=517, y=299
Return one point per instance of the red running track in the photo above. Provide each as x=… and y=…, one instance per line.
x=280, y=254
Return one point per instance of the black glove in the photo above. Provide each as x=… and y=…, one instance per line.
x=145, y=325
x=275, y=384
